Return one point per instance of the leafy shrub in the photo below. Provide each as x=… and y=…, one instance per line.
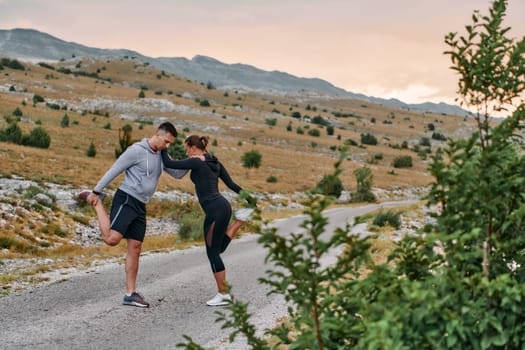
x=53, y=106
x=330, y=185
x=388, y=218
x=271, y=121
x=37, y=98
x=438, y=136
x=13, y=64
x=314, y=132
x=271, y=179
x=364, y=179
x=402, y=162
x=320, y=120
x=350, y=142
x=368, y=139
x=204, y=103
x=251, y=159
x=191, y=226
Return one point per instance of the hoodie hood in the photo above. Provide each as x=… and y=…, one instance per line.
x=212, y=162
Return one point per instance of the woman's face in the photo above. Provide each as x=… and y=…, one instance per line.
x=189, y=150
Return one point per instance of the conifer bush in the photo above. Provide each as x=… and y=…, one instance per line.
x=38, y=137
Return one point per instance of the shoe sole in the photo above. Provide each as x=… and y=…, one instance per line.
x=134, y=303
x=222, y=303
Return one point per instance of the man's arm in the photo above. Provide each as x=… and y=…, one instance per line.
x=126, y=160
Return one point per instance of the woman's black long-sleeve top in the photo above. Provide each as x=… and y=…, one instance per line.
x=204, y=174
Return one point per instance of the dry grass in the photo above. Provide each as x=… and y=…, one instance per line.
x=287, y=155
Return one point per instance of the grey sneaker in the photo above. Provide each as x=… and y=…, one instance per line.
x=243, y=214
x=135, y=300
x=220, y=300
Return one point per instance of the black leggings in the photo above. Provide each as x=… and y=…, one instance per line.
x=218, y=213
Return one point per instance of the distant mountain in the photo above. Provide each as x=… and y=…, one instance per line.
x=32, y=45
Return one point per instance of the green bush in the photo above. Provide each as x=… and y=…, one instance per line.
x=438, y=136
x=364, y=179
x=91, y=151
x=37, y=98
x=271, y=121
x=38, y=137
x=388, y=218
x=17, y=112
x=368, y=139
x=64, y=123
x=53, y=106
x=330, y=185
x=402, y=162
x=251, y=159
x=314, y=132
x=271, y=179
x=13, y=64
x=12, y=133
x=190, y=228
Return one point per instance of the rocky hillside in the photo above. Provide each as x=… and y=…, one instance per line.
x=28, y=44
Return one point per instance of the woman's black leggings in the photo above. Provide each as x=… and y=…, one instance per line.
x=218, y=213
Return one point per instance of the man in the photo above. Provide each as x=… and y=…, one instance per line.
x=142, y=164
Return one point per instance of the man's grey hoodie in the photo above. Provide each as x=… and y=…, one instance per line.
x=142, y=167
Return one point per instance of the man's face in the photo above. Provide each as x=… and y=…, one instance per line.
x=163, y=140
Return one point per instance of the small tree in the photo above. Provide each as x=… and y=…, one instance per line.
x=17, y=112
x=330, y=185
x=364, y=179
x=91, y=151
x=124, y=139
x=141, y=94
x=64, y=123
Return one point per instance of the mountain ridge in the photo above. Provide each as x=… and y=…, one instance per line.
x=33, y=45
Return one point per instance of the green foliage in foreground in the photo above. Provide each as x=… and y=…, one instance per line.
x=459, y=285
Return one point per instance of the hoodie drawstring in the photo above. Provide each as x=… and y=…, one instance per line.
x=147, y=163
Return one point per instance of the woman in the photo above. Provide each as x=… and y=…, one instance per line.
x=205, y=172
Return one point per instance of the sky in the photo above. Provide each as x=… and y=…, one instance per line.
x=381, y=48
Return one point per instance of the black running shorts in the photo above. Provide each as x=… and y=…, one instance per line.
x=128, y=216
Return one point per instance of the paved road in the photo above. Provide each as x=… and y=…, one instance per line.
x=85, y=312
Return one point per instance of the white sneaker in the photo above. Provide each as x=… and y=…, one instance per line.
x=243, y=214
x=219, y=300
